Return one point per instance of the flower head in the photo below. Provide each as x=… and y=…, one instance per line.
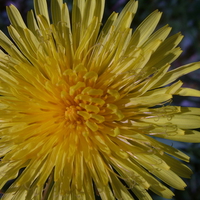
x=81, y=105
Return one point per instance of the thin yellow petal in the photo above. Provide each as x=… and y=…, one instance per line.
x=176, y=73
x=31, y=22
x=41, y=8
x=15, y=17
x=181, y=121
x=188, y=92
x=146, y=28
x=56, y=7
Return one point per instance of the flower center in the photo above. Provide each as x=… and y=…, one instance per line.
x=71, y=113
x=86, y=102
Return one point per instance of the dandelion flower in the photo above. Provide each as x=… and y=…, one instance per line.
x=82, y=105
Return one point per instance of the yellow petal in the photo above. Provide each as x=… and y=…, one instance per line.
x=56, y=7
x=145, y=29
x=41, y=8
x=176, y=73
x=15, y=17
x=181, y=121
x=188, y=92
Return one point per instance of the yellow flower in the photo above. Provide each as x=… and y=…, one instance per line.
x=82, y=105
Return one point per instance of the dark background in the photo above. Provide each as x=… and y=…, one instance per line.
x=182, y=16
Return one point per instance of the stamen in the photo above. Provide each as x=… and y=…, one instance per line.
x=91, y=75
x=114, y=93
x=92, y=126
x=74, y=88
